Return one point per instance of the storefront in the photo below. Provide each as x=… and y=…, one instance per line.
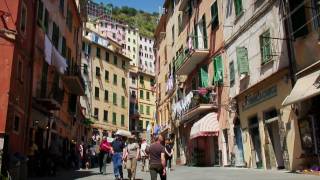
x=204, y=141
x=262, y=123
x=305, y=100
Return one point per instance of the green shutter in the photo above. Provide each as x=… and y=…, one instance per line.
x=122, y=102
x=114, y=98
x=195, y=37
x=242, y=60
x=114, y=118
x=141, y=109
x=265, y=46
x=122, y=120
x=238, y=7
x=148, y=110
x=232, y=73
x=203, y=76
x=218, y=70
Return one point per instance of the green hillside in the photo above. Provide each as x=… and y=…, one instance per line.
x=145, y=21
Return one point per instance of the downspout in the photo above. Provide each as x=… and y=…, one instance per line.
x=289, y=38
x=31, y=63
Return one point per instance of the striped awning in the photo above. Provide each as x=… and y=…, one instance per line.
x=206, y=126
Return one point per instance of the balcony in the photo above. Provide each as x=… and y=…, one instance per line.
x=50, y=101
x=133, y=111
x=201, y=101
x=188, y=59
x=74, y=82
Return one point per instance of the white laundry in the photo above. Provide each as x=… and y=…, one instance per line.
x=58, y=61
x=47, y=49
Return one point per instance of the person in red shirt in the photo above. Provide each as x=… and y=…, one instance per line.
x=105, y=149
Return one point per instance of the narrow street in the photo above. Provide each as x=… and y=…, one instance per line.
x=190, y=173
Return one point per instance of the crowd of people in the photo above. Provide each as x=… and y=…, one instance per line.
x=125, y=153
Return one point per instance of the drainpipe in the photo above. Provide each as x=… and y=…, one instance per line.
x=289, y=38
x=31, y=63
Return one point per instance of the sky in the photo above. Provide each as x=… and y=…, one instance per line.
x=145, y=5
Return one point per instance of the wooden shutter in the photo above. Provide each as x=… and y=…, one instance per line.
x=218, y=70
x=242, y=60
x=265, y=46
x=238, y=7
x=114, y=98
x=232, y=73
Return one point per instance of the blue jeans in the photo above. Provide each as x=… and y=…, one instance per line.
x=117, y=164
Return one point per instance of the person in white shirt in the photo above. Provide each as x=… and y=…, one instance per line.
x=144, y=156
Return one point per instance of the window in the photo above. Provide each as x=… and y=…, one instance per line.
x=61, y=6
x=106, y=76
x=115, y=79
x=147, y=124
x=122, y=120
x=134, y=41
x=96, y=92
x=46, y=20
x=148, y=95
x=69, y=20
x=129, y=48
x=123, y=82
x=242, y=60
x=134, y=49
x=85, y=69
x=16, y=124
x=145, y=48
x=133, y=80
x=128, y=39
x=114, y=118
x=218, y=70
x=141, y=108
x=64, y=47
x=238, y=7
x=123, y=64
x=96, y=113
x=214, y=15
x=115, y=60
x=113, y=35
x=98, y=52
x=265, y=47
x=107, y=56
x=173, y=35
x=105, y=115
x=97, y=71
x=23, y=18
x=232, y=73
x=106, y=96
x=148, y=110
x=141, y=80
x=299, y=18
x=141, y=94
x=55, y=35
x=140, y=127
x=40, y=11
x=114, y=98
x=152, y=82
x=123, y=102
x=180, y=23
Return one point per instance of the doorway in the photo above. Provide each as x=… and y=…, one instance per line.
x=256, y=142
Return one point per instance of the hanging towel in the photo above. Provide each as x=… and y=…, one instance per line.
x=59, y=62
x=47, y=49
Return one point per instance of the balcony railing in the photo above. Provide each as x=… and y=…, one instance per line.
x=188, y=59
x=197, y=101
x=74, y=81
x=50, y=99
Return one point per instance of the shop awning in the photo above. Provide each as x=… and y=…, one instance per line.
x=305, y=88
x=206, y=126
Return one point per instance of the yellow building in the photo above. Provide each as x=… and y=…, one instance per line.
x=146, y=100
x=106, y=72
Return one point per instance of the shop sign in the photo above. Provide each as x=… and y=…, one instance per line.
x=263, y=95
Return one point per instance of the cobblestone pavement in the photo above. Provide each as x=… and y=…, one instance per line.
x=189, y=173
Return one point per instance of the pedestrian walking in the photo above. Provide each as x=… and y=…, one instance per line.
x=169, y=153
x=81, y=155
x=117, y=157
x=157, y=159
x=144, y=156
x=132, y=155
x=105, y=149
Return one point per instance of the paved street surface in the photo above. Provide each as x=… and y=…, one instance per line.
x=190, y=173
